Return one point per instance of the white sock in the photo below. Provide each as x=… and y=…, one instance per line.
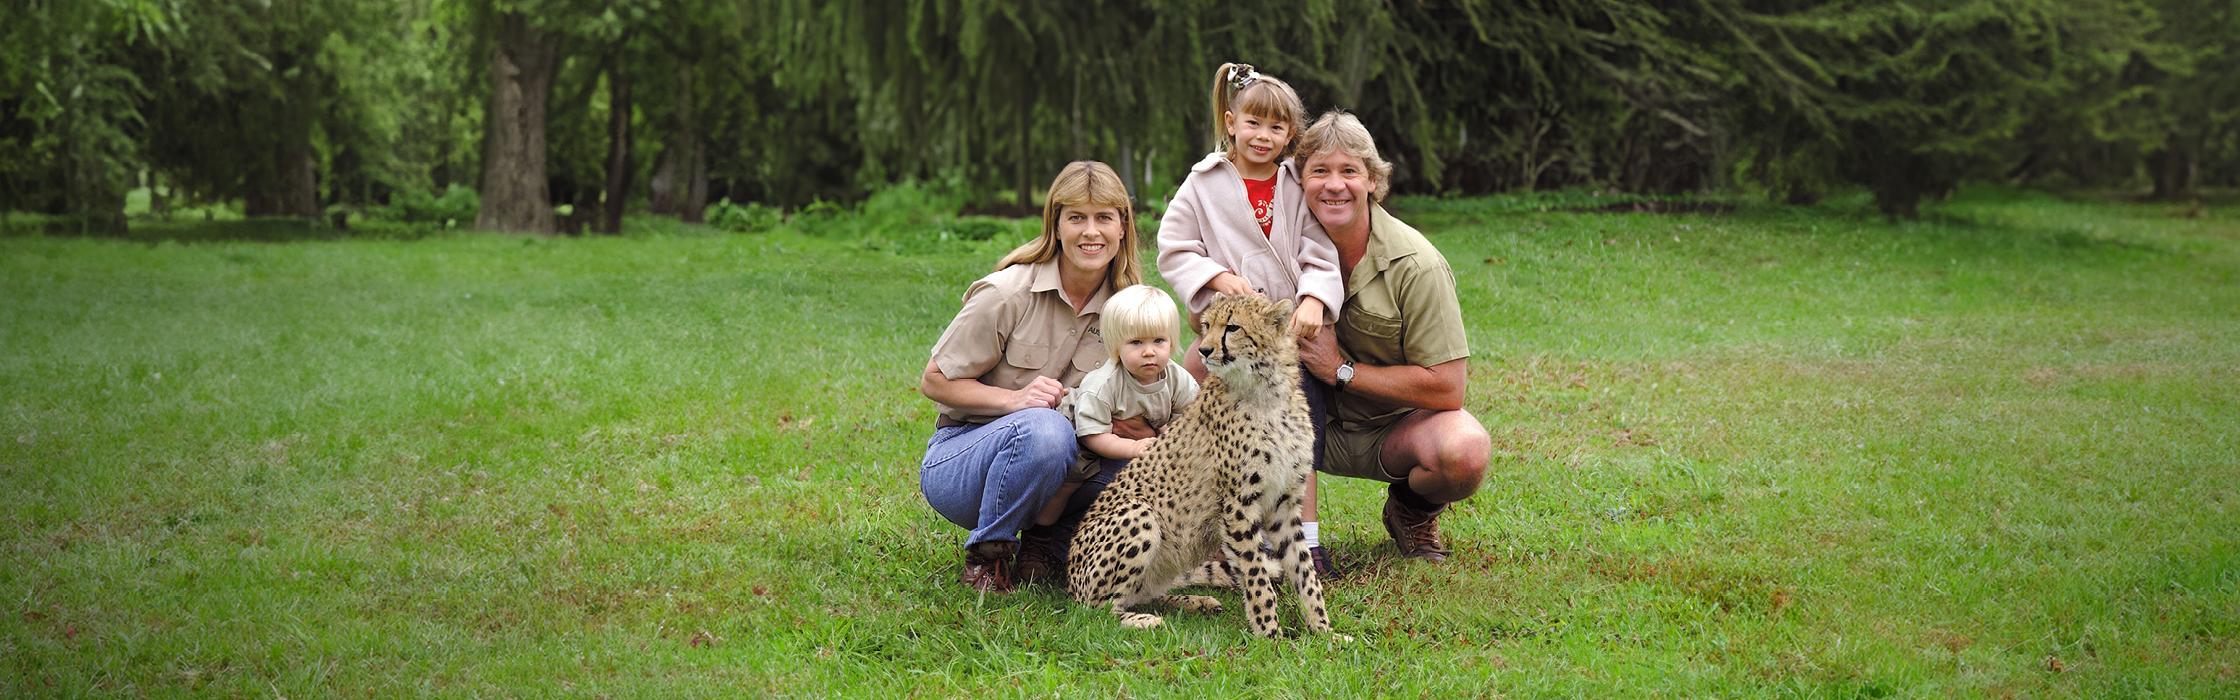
x=1313, y=540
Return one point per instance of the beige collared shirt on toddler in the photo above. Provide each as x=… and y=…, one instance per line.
x=1111, y=394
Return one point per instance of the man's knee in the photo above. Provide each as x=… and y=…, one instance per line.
x=1463, y=450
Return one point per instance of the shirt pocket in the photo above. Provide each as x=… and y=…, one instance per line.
x=1026, y=354
x=1371, y=325
x=1089, y=356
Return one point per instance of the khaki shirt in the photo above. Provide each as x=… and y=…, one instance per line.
x=1111, y=394
x=1016, y=325
x=1400, y=309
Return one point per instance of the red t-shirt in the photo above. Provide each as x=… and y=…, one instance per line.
x=1263, y=196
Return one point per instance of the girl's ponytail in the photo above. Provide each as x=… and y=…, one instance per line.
x=1227, y=80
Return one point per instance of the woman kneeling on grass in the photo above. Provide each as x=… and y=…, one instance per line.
x=1027, y=332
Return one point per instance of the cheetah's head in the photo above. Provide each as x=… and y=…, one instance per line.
x=1239, y=334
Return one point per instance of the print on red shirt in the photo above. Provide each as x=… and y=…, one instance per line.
x=1263, y=196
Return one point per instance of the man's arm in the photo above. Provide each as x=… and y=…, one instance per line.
x=1440, y=387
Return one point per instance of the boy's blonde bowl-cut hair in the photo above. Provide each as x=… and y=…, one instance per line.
x=1337, y=131
x=1141, y=311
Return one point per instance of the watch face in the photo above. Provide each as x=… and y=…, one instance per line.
x=1345, y=372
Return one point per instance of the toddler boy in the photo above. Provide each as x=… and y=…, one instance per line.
x=1141, y=379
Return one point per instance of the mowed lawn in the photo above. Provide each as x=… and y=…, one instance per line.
x=1772, y=452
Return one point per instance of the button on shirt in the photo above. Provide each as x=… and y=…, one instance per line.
x=1017, y=325
x=1400, y=309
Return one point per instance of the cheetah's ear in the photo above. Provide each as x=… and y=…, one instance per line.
x=1217, y=297
x=1280, y=314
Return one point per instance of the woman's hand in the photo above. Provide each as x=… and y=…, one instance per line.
x=1230, y=283
x=1306, y=322
x=1043, y=392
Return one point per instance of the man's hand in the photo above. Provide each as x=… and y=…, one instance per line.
x=1306, y=322
x=1320, y=354
x=1043, y=392
x=1134, y=429
x=1230, y=283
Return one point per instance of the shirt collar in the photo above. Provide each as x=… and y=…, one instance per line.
x=1385, y=245
x=1046, y=279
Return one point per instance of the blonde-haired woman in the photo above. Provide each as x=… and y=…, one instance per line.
x=1027, y=332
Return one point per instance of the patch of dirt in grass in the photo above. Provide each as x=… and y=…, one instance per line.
x=1948, y=640
x=2133, y=372
x=1728, y=590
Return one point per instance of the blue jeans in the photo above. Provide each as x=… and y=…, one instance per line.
x=992, y=479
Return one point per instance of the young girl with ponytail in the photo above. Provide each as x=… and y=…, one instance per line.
x=1240, y=225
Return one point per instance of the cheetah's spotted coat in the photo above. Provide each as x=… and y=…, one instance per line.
x=1228, y=471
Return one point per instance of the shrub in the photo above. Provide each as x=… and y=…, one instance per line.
x=456, y=206
x=751, y=217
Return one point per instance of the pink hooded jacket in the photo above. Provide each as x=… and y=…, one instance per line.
x=1209, y=230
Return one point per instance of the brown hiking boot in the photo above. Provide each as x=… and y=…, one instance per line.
x=1037, y=562
x=1415, y=531
x=987, y=566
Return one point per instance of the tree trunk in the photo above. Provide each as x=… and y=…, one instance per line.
x=2175, y=169
x=680, y=181
x=618, y=146
x=696, y=195
x=1080, y=143
x=1026, y=187
x=1128, y=170
x=287, y=183
x=695, y=151
x=664, y=184
x=159, y=203
x=515, y=196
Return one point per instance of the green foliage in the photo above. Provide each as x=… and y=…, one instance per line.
x=70, y=105
x=300, y=106
x=1911, y=101
x=751, y=217
x=456, y=206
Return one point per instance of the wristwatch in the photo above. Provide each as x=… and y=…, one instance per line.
x=1345, y=375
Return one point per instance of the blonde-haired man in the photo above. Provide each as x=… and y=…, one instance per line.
x=1398, y=361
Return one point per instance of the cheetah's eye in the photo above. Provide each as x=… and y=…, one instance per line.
x=1233, y=328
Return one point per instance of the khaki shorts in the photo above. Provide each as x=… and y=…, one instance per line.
x=1358, y=453
x=1086, y=464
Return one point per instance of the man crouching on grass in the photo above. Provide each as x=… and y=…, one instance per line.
x=1398, y=361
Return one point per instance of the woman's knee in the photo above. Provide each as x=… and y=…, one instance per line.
x=1043, y=442
x=1047, y=430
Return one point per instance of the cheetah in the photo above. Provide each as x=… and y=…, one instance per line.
x=1227, y=472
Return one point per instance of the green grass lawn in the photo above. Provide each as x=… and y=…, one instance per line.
x=1775, y=452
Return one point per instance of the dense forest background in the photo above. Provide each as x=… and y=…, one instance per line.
x=562, y=115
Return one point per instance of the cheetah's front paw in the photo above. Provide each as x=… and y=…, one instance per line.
x=1139, y=621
